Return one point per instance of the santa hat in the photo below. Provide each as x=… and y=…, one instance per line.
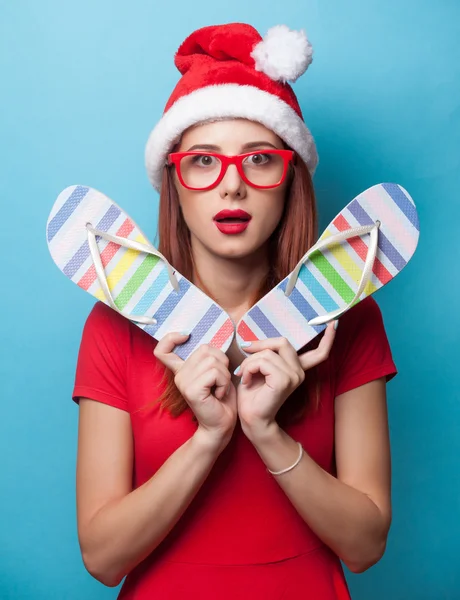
x=229, y=71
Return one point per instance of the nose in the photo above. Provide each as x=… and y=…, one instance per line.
x=232, y=185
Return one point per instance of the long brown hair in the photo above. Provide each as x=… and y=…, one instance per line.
x=295, y=234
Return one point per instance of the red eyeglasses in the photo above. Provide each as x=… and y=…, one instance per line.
x=263, y=169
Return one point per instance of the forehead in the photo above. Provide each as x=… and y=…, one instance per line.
x=228, y=132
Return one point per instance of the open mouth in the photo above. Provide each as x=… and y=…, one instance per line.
x=232, y=216
x=233, y=220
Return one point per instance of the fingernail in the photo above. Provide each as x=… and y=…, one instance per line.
x=237, y=370
x=245, y=344
x=336, y=324
x=184, y=333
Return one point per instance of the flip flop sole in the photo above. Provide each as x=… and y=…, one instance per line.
x=139, y=282
x=329, y=279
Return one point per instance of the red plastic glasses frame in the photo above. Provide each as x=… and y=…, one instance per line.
x=175, y=157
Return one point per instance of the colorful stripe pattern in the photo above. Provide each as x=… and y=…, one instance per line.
x=329, y=279
x=139, y=282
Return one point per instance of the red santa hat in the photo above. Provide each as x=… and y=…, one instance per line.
x=229, y=71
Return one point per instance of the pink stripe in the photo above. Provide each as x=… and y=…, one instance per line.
x=106, y=255
x=246, y=333
x=222, y=334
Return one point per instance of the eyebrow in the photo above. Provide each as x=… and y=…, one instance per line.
x=248, y=146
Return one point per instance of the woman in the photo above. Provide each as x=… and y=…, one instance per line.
x=247, y=474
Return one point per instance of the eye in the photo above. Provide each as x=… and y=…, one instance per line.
x=257, y=160
x=204, y=160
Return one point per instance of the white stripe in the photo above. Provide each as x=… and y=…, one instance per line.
x=254, y=327
x=403, y=240
x=354, y=256
x=132, y=268
x=159, y=300
x=325, y=284
x=101, y=244
x=145, y=286
x=315, y=304
x=118, y=287
x=285, y=317
x=189, y=311
x=380, y=255
x=221, y=319
x=88, y=262
x=72, y=234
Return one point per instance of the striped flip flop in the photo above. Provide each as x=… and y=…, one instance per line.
x=100, y=248
x=364, y=248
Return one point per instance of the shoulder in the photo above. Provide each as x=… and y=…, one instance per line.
x=104, y=326
x=361, y=350
x=103, y=315
x=108, y=327
x=364, y=311
x=360, y=330
x=363, y=319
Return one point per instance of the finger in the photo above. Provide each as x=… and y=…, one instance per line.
x=208, y=364
x=202, y=374
x=164, y=350
x=275, y=377
x=205, y=358
x=267, y=355
x=281, y=345
x=207, y=350
x=215, y=377
x=286, y=350
x=267, y=344
x=321, y=353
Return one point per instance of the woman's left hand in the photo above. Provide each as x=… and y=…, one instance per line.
x=268, y=377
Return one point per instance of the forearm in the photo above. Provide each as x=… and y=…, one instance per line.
x=344, y=518
x=124, y=532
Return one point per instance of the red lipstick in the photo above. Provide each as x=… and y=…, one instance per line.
x=232, y=221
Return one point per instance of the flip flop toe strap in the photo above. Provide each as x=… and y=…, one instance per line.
x=101, y=276
x=373, y=231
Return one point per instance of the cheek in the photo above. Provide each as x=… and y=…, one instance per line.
x=190, y=216
x=193, y=211
x=272, y=212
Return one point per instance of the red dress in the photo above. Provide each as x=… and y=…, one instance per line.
x=240, y=538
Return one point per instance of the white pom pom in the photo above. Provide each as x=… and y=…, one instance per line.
x=283, y=55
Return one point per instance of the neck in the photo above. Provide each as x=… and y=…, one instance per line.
x=233, y=283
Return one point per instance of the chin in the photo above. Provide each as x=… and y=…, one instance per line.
x=231, y=246
x=237, y=249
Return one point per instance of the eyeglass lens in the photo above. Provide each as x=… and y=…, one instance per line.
x=202, y=170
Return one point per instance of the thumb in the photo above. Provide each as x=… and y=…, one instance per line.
x=229, y=394
x=164, y=350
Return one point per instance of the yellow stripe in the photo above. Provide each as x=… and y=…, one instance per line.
x=122, y=266
x=343, y=258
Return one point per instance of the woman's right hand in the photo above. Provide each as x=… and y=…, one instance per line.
x=204, y=381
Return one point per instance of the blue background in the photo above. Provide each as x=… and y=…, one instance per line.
x=82, y=85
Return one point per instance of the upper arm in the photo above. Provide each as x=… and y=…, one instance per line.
x=104, y=460
x=362, y=443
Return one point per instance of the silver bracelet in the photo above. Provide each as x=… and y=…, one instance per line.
x=292, y=466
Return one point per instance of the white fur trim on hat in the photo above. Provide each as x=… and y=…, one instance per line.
x=283, y=55
x=227, y=101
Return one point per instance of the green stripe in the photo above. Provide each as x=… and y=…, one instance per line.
x=328, y=271
x=136, y=280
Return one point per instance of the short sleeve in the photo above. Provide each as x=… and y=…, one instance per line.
x=102, y=358
x=361, y=349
